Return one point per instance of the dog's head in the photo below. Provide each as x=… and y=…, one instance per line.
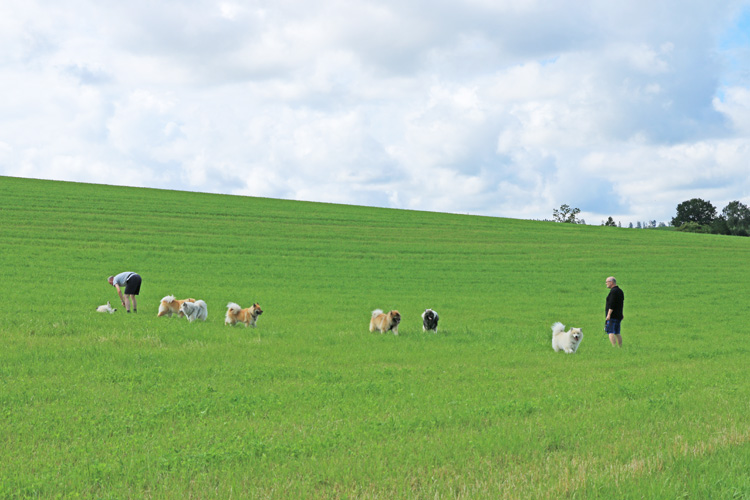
x=256, y=310
x=429, y=316
x=394, y=318
x=186, y=307
x=576, y=334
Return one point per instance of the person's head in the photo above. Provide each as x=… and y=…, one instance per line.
x=611, y=281
x=111, y=280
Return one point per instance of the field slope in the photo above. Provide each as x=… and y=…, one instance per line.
x=312, y=405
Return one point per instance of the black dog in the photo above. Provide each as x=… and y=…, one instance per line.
x=429, y=320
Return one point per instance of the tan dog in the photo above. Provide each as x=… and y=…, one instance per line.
x=385, y=322
x=249, y=315
x=169, y=306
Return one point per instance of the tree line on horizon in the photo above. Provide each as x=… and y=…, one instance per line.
x=694, y=215
x=700, y=216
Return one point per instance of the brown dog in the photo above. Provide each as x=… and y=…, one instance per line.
x=385, y=322
x=169, y=306
x=249, y=315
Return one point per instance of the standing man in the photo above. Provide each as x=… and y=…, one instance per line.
x=613, y=309
x=132, y=284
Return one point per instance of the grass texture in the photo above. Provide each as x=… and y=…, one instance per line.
x=310, y=404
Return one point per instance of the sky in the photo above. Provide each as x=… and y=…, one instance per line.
x=505, y=108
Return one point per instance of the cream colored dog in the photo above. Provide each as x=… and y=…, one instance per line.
x=194, y=310
x=106, y=308
x=565, y=341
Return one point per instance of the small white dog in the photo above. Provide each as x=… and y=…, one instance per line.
x=194, y=310
x=106, y=308
x=565, y=341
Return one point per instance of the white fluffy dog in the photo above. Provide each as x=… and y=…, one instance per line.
x=194, y=310
x=565, y=341
x=106, y=308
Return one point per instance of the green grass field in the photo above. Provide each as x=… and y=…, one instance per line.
x=311, y=404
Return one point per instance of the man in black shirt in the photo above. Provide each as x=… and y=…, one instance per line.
x=613, y=309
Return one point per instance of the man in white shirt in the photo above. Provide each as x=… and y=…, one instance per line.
x=132, y=283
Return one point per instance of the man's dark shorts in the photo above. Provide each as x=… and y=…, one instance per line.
x=133, y=285
x=612, y=326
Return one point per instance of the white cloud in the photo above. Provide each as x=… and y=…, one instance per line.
x=736, y=107
x=502, y=108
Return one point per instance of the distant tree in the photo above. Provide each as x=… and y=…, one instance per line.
x=652, y=224
x=719, y=226
x=630, y=225
x=609, y=222
x=638, y=225
x=661, y=224
x=567, y=214
x=737, y=216
x=695, y=210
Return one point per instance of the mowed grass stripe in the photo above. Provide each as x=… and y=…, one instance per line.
x=310, y=404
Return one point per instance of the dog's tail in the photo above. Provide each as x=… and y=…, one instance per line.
x=557, y=328
x=376, y=312
x=164, y=308
x=235, y=308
